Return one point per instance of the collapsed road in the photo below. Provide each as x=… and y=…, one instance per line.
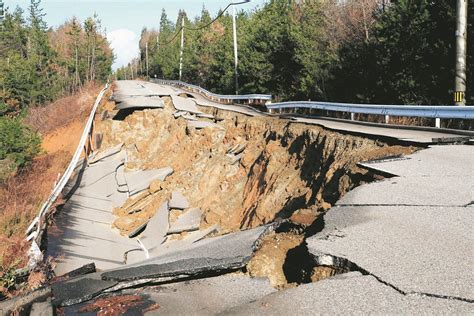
x=195, y=207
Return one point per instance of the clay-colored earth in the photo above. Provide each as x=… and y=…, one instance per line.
x=286, y=170
x=268, y=261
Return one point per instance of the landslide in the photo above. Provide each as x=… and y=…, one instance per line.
x=286, y=170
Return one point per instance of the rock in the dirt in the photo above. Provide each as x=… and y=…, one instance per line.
x=203, y=124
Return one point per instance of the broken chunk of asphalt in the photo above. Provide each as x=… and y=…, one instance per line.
x=85, y=269
x=226, y=252
x=79, y=290
x=208, y=256
x=178, y=269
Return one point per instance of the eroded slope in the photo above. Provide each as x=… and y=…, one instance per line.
x=245, y=171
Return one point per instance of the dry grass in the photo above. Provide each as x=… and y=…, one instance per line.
x=22, y=194
x=64, y=111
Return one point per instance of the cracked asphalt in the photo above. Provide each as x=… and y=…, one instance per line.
x=409, y=237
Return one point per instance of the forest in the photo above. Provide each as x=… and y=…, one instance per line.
x=364, y=51
x=38, y=65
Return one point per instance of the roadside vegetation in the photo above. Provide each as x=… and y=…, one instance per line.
x=374, y=51
x=48, y=82
x=37, y=66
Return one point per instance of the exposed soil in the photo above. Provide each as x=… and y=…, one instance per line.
x=286, y=170
x=64, y=139
x=269, y=260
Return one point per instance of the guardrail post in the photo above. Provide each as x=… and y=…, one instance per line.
x=352, y=116
x=438, y=123
x=387, y=119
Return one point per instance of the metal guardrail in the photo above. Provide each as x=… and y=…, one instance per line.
x=250, y=98
x=426, y=111
x=35, y=235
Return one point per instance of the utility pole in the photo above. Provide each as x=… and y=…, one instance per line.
x=461, y=44
x=236, y=56
x=146, y=57
x=182, y=47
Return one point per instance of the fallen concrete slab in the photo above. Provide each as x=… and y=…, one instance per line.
x=205, y=115
x=222, y=253
x=174, y=245
x=178, y=201
x=178, y=114
x=188, y=221
x=360, y=294
x=100, y=169
x=415, y=249
x=138, y=181
x=105, y=153
x=82, y=232
x=189, y=117
x=213, y=255
x=118, y=198
x=185, y=104
x=156, y=229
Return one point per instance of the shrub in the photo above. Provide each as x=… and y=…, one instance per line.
x=18, y=143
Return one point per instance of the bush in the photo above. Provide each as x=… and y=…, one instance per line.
x=18, y=143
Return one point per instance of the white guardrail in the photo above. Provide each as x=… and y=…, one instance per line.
x=427, y=111
x=249, y=98
x=35, y=235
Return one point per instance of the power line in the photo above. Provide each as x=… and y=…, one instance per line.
x=201, y=27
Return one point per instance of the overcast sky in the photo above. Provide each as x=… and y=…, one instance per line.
x=124, y=19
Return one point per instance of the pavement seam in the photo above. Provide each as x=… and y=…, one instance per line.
x=355, y=267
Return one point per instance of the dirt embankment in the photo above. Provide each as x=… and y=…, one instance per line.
x=278, y=170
